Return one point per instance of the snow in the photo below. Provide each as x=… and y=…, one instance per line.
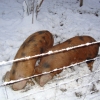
x=64, y=19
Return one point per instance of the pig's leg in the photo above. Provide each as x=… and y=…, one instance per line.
x=6, y=77
x=90, y=64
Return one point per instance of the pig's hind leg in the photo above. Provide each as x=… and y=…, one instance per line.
x=90, y=64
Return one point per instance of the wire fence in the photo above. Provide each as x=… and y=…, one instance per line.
x=57, y=79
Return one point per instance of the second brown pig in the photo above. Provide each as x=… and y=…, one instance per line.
x=59, y=60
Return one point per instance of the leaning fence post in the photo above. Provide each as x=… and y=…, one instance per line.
x=81, y=3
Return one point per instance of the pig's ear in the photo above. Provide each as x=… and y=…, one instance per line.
x=44, y=79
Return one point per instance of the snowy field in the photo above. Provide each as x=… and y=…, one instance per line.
x=64, y=19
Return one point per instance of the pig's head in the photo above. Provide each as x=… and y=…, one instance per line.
x=43, y=79
x=15, y=86
x=16, y=75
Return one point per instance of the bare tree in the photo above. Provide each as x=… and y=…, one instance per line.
x=38, y=6
x=32, y=7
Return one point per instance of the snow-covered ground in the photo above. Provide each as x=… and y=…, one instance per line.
x=64, y=19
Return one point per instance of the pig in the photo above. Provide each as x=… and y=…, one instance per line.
x=36, y=43
x=66, y=58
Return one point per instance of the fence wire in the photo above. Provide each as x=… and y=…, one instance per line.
x=48, y=53
x=57, y=79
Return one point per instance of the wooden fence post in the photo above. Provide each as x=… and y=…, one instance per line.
x=81, y=3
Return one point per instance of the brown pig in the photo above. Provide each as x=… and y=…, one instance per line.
x=35, y=44
x=59, y=60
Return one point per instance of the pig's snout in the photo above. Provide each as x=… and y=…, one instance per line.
x=44, y=79
x=19, y=85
